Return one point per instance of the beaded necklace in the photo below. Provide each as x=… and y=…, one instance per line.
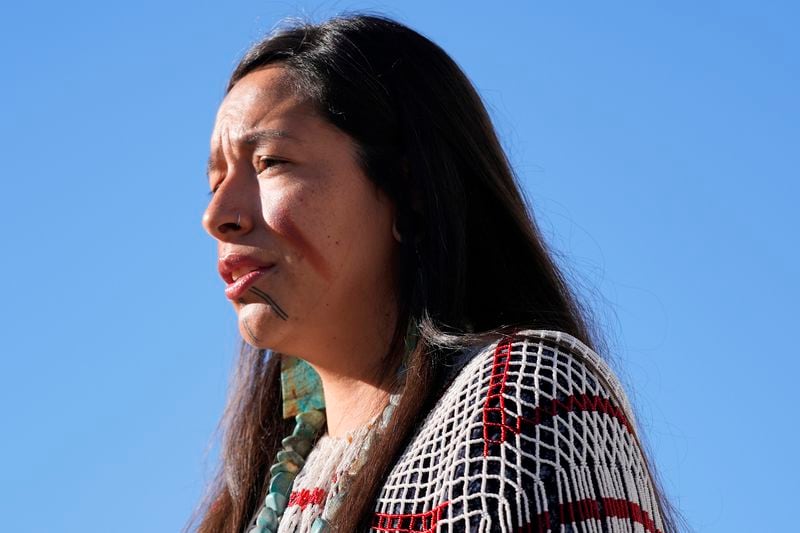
x=291, y=459
x=301, y=390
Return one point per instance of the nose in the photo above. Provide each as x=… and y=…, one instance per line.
x=227, y=215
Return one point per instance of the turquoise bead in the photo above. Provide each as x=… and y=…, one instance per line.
x=314, y=418
x=320, y=525
x=277, y=502
x=291, y=468
x=305, y=431
x=333, y=505
x=297, y=444
x=281, y=483
x=291, y=457
x=267, y=519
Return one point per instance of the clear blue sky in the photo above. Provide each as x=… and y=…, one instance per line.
x=655, y=144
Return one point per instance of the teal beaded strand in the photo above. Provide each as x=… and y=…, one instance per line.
x=290, y=460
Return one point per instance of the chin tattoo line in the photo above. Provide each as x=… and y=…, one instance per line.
x=267, y=298
x=250, y=333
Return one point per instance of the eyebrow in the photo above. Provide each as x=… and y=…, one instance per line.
x=257, y=136
x=254, y=138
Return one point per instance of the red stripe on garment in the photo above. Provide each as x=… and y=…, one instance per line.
x=578, y=403
x=627, y=509
x=497, y=423
x=409, y=523
x=589, y=509
x=494, y=408
x=305, y=497
x=542, y=524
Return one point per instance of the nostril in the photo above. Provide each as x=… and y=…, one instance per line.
x=219, y=227
x=229, y=226
x=233, y=226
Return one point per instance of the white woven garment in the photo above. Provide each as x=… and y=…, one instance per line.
x=533, y=434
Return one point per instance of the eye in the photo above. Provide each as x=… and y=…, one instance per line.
x=264, y=163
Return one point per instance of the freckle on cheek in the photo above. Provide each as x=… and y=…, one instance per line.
x=284, y=225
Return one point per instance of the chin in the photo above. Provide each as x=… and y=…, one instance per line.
x=260, y=327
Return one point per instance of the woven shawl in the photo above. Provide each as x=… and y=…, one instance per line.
x=533, y=434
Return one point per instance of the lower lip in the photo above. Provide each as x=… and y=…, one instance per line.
x=236, y=290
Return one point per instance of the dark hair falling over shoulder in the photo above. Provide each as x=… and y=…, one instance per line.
x=473, y=264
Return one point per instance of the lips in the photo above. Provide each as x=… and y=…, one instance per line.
x=240, y=271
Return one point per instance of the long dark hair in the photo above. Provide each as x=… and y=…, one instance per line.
x=473, y=264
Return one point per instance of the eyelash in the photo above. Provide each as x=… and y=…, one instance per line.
x=269, y=163
x=260, y=160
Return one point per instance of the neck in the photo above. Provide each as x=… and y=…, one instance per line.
x=351, y=403
x=348, y=351
x=355, y=380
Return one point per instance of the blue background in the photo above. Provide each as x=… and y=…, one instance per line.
x=654, y=143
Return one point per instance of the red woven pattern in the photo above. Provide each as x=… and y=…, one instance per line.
x=496, y=417
x=305, y=497
x=617, y=508
x=582, y=510
x=409, y=523
x=534, y=434
x=494, y=409
x=578, y=403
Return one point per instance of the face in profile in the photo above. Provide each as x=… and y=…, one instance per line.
x=304, y=237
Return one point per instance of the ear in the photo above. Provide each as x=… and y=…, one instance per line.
x=408, y=226
x=395, y=232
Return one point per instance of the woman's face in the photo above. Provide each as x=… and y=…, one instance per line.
x=304, y=237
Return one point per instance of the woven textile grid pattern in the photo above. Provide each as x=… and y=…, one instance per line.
x=533, y=434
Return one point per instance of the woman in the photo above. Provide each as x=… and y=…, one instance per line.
x=404, y=325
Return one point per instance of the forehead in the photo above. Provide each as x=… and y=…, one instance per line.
x=267, y=95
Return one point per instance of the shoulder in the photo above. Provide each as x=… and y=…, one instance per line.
x=519, y=384
x=530, y=351
x=533, y=431
x=540, y=366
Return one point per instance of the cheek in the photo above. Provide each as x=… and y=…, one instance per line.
x=283, y=223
